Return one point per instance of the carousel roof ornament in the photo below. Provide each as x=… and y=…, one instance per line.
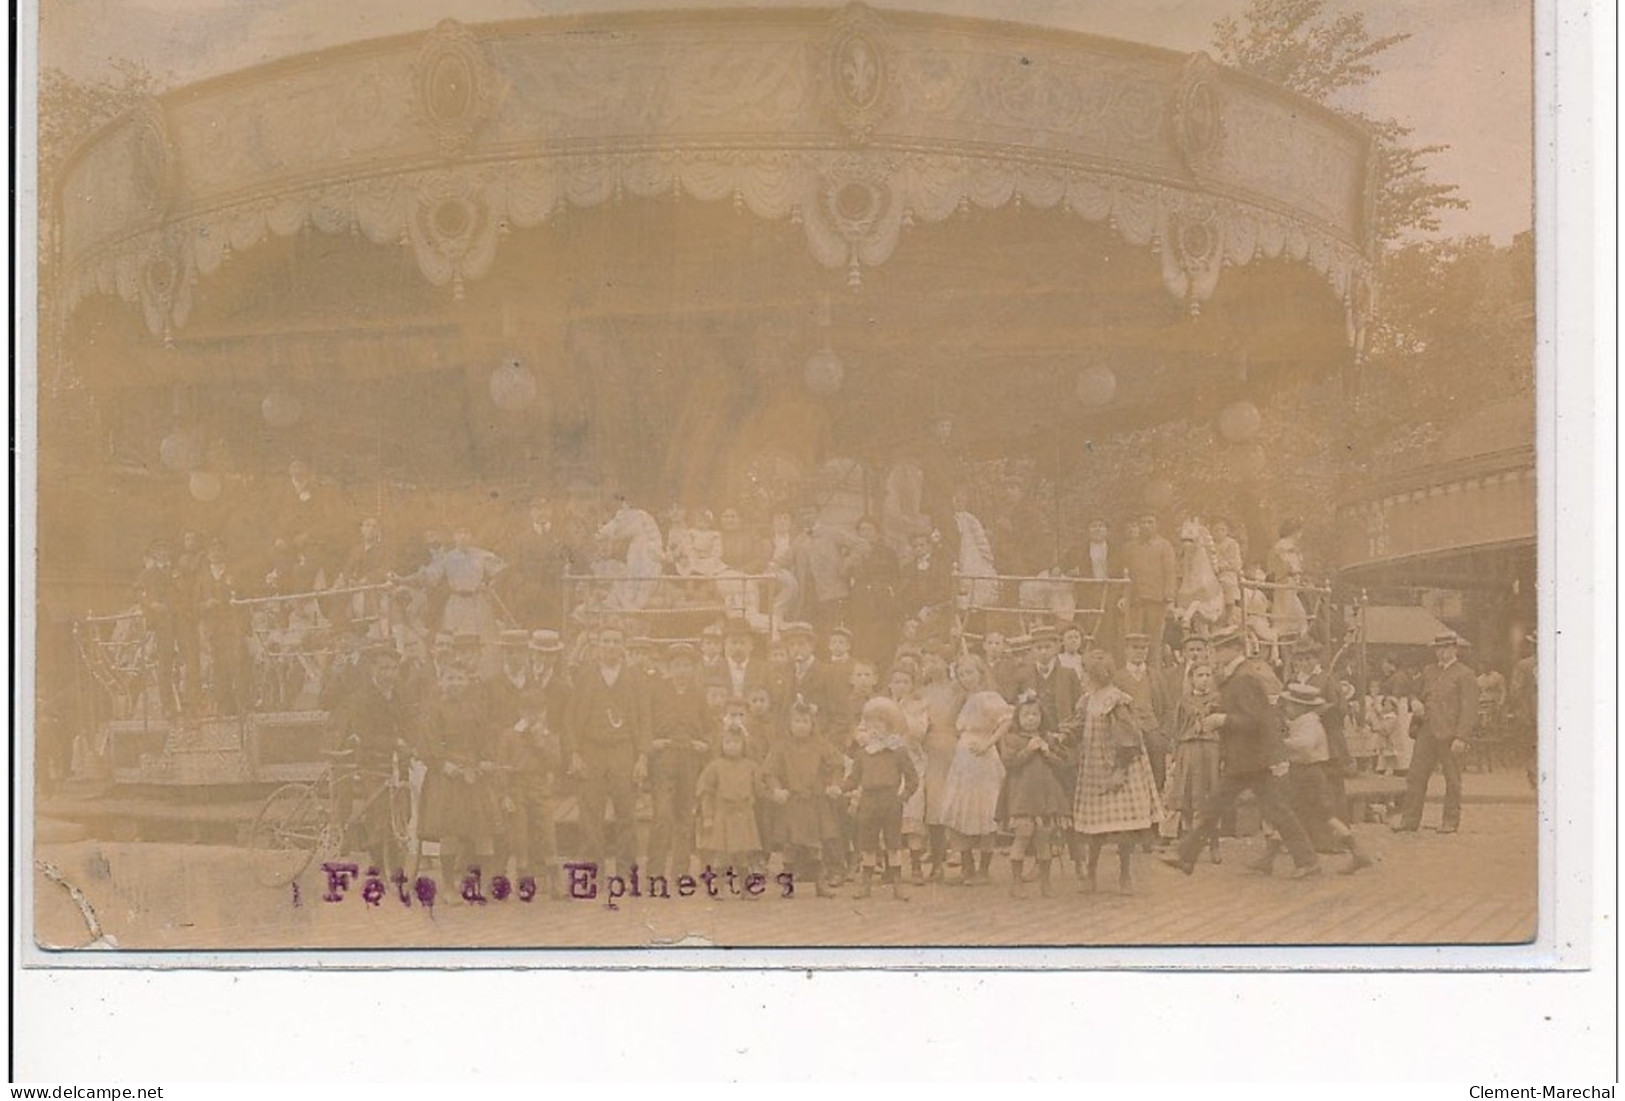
x=853, y=124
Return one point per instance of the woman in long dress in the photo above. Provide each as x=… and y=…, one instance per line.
x=1116, y=799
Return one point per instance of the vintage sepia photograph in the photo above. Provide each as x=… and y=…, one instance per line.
x=646, y=475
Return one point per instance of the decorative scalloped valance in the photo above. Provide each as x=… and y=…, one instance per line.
x=853, y=125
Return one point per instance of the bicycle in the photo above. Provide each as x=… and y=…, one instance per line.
x=301, y=820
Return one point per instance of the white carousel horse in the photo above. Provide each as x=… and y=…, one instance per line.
x=641, y=567
x=975, y=563
x=1199, y=603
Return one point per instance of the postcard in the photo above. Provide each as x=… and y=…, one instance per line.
x=943, y=476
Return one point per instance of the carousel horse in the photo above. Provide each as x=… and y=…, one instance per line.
x=980, y=587
x=1199, y=602
x=639, y=572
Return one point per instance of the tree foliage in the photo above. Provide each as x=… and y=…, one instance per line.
x=1321, y=55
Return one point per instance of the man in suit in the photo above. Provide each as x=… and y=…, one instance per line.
x=1153, y=574
x=739, y=663
x=679, y=750
x=1254, y=759
x=1099, y=560
x=608, y=735
x=1442, y=725
x=225, y=631
x=808, y=679
x=530, y=746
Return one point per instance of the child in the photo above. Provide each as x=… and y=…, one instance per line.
x=1227, y=565
x=1035, y=798
x=760, y=722
x=780, y=677
x=728, y=788
x=883, y=779
x=805, y=773
x=1308, y=785
x=1072, y=650
x=902, y=689
x=970, y=795
x=1195, y=770
x=840, y=655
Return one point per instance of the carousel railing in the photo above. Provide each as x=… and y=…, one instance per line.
x=292, y=641
x=1087, y=603
x=670, y=607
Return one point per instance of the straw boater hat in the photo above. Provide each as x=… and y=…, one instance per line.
x=711, y=630
x=546, y=642
x=1044, y=633
x=682, y=650
x=1303, y=695
x=1446, y=638
x=797, y=629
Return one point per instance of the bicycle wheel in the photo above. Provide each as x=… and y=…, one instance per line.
x=287, y=833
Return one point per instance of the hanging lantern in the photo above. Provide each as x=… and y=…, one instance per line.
x=1159, y=495
x=204, y=485
x=824, y=372
x=179, y=450
x=513, y=385
x=280, y=409
x=1097, y=386
x=1240, y=422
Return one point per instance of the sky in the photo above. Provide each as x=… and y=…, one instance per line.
x=1464, y=79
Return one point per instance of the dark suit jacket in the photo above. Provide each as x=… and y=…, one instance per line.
x=1449, y=702
x=1057, y=693
x=1250, y=740
x=608, y=719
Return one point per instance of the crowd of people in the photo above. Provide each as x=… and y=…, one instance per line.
x=841, y=709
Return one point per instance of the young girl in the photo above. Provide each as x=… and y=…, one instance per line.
x=970, y=795
x=901, y=688
x=1035, y=799
x=728, y=788
x=1195, y=771
x=1072, y=650
x=1116, y=799
x=805, y=773
x=882, y=778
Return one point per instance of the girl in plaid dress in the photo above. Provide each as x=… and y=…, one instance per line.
x=1116, y=798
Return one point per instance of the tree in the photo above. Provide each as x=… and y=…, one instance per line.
x=1301, y=46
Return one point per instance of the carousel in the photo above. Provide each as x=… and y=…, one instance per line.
x=694, y=258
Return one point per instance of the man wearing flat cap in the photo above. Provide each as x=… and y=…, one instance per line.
x=1442, y=725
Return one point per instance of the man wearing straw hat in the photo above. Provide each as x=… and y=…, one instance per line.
x=1442, y=724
